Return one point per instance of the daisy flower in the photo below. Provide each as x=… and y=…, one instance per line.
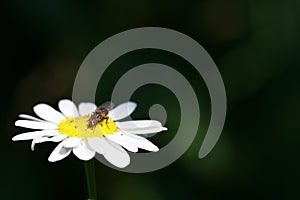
x=70, y=127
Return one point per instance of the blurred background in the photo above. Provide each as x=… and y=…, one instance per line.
x=255, y=45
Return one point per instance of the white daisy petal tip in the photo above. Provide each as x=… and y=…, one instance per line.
x=59, y=153
x=48, y=113
x=68, y=108
x=84, y=157
x=15, y=138
x=123, y=165
x=122, y=111
x=132, y=104
x=33, y=144
x=20, y=137
x=35, y=124
x=83, y=152
x=155, y=149
x=25, y=116
x=86, y=108
x=164, y=129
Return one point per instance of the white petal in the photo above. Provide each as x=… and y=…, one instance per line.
x=115, y=154
x=35, y=124
x=86, y=108
x=141, y=126
x=123, y=110
x=33, y=143
x=136, y=124
x=24, y=116
x=72, y=142
x=68, y=108
x=48, y=113
x=35, y=134
x=83, y=152
x=145, y=131
x=41, y=139
x=120, y=138
x=59, y=153
x=140, y=142
x=56, y=138
x=98, y=144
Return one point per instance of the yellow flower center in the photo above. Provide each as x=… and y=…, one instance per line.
x=78, y=127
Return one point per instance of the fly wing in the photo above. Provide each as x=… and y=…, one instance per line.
x=108, y=105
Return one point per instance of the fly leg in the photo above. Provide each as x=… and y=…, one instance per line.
x=106, y=118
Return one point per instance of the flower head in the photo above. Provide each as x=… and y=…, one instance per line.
x=71, y=128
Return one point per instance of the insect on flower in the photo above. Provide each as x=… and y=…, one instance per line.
x=100, y=114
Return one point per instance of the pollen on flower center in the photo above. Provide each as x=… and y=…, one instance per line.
x=68, y=127
x=78, y=127
x=108, y=126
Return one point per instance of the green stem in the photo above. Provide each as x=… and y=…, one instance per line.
x=90, y=179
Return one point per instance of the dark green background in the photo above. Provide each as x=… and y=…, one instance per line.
x=255, y=45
